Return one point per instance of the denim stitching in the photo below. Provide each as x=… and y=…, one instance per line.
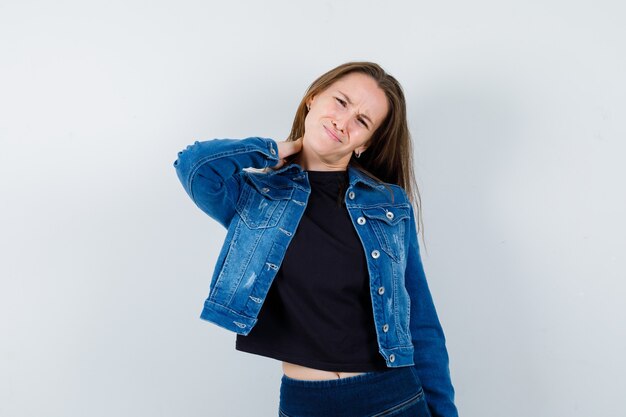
x=402, y=405
x=281, y=413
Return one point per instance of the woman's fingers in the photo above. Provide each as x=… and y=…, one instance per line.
x=280, y=163
x=289, y=148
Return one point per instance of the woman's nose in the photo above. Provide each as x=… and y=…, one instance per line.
x=338, y=125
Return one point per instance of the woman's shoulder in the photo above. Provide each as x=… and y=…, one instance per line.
x=397, y=192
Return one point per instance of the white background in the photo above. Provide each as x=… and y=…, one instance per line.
x=517, y=111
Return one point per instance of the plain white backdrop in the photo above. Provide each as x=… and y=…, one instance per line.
x=517, y=111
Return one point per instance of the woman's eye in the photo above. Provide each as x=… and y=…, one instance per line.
x=343, y=103
x=363, y=122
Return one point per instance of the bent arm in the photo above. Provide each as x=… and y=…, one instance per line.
x=430, y=355
x=209, y=171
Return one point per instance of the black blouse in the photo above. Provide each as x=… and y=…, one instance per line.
x=318, y=311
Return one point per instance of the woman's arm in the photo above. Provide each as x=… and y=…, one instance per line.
x=209, y=171
x=430, y=355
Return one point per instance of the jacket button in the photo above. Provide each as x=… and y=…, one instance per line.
x=361, y=220
x=272, y=151
x=392, y=357
x=351, y=195
x=385, y=328
x=375, y=254
x=265, y=189
x=389, y=215
x=381, y=290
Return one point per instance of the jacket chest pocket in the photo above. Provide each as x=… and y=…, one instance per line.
x=260, y=205
x=389, y=224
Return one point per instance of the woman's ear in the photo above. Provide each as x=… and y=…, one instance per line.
x=309, y=102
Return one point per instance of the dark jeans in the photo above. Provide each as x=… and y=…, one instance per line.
x=396, y=392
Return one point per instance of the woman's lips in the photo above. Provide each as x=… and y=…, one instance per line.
x=332, y=135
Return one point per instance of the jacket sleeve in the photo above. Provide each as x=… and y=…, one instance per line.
x=430, y=355
x=210, y=171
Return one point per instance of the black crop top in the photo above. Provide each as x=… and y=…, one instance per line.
x=318, y=310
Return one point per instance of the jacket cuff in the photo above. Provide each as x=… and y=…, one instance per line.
x=272, y=148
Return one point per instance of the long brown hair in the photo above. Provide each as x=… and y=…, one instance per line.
x=389, y=156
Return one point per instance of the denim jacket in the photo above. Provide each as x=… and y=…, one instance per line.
x=262, y=210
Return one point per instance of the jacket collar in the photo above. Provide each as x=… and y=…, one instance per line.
x=354, y=175
x=357, y=175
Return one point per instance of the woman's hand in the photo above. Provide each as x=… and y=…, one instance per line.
x=287, y=148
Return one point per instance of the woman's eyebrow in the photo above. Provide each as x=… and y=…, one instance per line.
x=365, y=116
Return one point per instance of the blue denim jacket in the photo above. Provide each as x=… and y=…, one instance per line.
x=262, y=210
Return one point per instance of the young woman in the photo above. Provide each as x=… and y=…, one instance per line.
x=321, y=267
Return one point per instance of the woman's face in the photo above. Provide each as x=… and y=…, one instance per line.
x=342, y=119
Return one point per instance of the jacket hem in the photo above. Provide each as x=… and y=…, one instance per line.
x=227, y=318
x=402, y=356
